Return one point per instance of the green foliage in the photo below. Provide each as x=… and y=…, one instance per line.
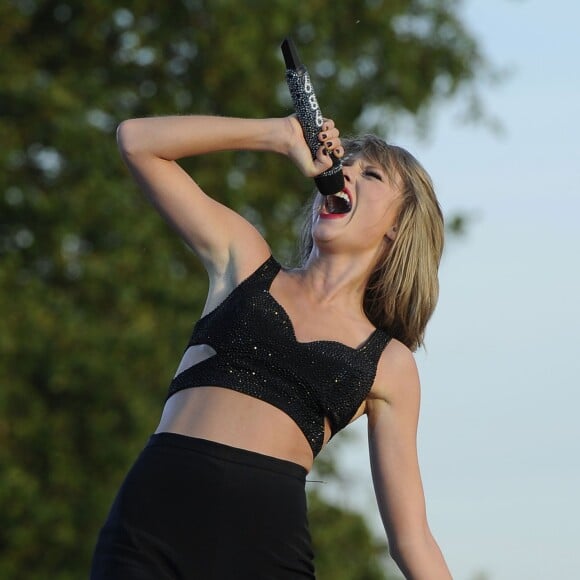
x=343, y=544
x=96, y=295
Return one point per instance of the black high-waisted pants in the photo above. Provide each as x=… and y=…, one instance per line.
x=191, y=509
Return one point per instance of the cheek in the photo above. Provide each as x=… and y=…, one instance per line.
x=393, y=209
x=381, y=218
x=384, y=211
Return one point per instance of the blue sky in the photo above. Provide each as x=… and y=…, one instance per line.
x=499, y=438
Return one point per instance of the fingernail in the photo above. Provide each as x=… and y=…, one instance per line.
x=329, y=143
x=324, y=135
x=324, y=151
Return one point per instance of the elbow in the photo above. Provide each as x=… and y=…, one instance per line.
x=128, y=138
x=407, y=541
x=124, y=130
x=419, y=558
x=398, y=554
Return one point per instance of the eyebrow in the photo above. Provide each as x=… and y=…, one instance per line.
x=363, y=161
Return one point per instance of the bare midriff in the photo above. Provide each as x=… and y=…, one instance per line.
x=238, y=420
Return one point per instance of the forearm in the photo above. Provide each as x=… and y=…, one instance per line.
x=421, y=559
x=177, y=137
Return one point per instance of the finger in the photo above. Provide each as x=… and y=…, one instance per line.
x=328, y=134
x=331, y=143
x=327, y=124
x=322, y=161
x=334, y=146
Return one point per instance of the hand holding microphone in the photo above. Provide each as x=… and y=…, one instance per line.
x=310, y=117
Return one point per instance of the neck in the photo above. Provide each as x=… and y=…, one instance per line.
x=336, y=278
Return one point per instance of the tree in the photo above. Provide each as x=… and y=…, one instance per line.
x=345, y=548
x=96, y=295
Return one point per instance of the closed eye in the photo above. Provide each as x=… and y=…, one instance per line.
x=372, y=173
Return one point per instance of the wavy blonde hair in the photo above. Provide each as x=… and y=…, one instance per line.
x=403, y=288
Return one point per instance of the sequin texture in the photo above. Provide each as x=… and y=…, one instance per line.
x=258, y=355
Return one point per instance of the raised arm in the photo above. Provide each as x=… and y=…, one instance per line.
x=151, y=148
x=393, y=411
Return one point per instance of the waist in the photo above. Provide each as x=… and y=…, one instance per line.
x=237, y=420
x=228, y=453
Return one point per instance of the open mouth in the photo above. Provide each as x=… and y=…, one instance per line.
x=338, y=203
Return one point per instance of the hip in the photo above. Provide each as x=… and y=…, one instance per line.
x=204, y=507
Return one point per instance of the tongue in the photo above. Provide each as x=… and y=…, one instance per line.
x=336, y=205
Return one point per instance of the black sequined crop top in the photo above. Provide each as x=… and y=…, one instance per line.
x=258, y=354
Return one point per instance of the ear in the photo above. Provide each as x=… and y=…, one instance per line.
x=391, y=233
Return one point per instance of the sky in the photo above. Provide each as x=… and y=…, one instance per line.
x=499, y=435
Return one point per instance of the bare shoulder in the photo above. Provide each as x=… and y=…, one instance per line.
x=397, y=378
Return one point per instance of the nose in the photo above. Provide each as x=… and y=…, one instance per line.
x=347, y=172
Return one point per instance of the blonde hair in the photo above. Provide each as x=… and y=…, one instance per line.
x=403, y=288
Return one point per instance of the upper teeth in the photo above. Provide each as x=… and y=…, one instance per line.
x=342, y=195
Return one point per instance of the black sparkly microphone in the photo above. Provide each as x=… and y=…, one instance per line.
x=310, y=117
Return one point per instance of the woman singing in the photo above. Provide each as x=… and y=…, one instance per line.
x=281, y=360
